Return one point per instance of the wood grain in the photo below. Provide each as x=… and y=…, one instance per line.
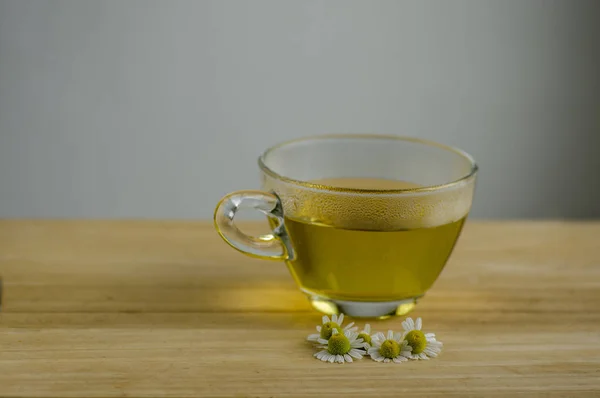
x=148, y=308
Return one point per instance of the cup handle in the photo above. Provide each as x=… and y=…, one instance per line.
x=274, y=246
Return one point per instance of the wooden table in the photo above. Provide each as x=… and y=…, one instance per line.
x=148, y=308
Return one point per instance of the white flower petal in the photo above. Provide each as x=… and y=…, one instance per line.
x=349, y=326
x=377, y=355
x=435, y=344
x=419, y=323
x=375, y=344
x=390, y=334
x=430, y=336
x=405, y=325
x=348, y=358
x=423, y=356
x=331, y=358
x=367, y=329
x=399, y=359
x=378, y=359
x=334, y=318
x=339, y=359
x=321, y=341
x=325, y=319
x=313, y=337
x=398, y=337
x=340, y=319
x=350, y=334
x=356, y=344
x=386, y=360
x=431, y=354
x=434, y=348
x=354, y=353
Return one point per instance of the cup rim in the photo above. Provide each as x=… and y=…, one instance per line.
x=428, y=188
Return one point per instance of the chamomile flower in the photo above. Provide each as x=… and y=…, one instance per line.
x=326, y=329
x=365, y=334
x=424, y=345
x=340, y=347
x=389, y=349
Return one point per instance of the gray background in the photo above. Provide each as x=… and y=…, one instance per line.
x=156, y=109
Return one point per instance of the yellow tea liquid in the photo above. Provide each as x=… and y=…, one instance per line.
x=368, y=265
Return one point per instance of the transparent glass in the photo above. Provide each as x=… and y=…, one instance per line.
x=365, y=223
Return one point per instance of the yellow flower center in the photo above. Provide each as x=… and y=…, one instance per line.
x=366, y=338
x=338, y=344
x=327, y=329
x=416, y=339
x=389, y=349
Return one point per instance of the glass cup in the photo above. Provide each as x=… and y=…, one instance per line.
x=365, y=223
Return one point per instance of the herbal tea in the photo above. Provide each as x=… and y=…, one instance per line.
x=368, y=245
x=368, y=265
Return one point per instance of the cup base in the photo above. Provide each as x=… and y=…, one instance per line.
x=363, y=309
